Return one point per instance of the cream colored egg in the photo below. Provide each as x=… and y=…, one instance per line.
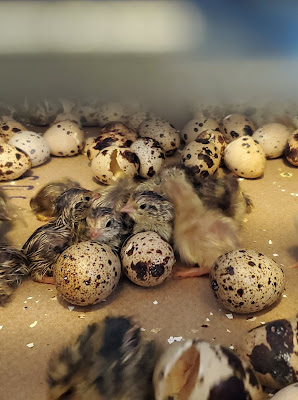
x=68, y=117
x=288, y=393
x=272, y=138
x=135, y=120
x=234, y=126
x=151, y=156
x=87, y=273
x=147, y=259
x=9, y=127
x=106, y=140
x=202, y=156
x=90, y=141
x=245, y=281
x=33, y=144
x=162, y=131
x=13, y=162
x=194, y=127
x=198, y=370
x=65, y=138
x=113, y=163
x=109, y=112
x=292, y=148
x=215, y=137
x=245, y=157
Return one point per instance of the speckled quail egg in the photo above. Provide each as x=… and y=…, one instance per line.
x=198, y=370
x=162, y=131
x=13, y=162
x=272, y=351
x=43, y=112
x=288, y=393
x=147, y=259
x=272, y=138
x=107, y=140
x=246, y=281
x=194, y=127
x=135, y=120
x=151, y=156
x=87, y=273
x=33, y=145
x=89, y=142
x=113, y=163
x=292, y=148
x=65, y=138
x=202, y=156
x=88, y=114
x=68, y=117
x=109, y=112
x=215, y=137
x=245, y=157
x=235, y=125
x=119, y=127
x=9, y=127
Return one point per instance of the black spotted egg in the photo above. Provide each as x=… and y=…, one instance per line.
x=246, y=281
x=147, y=259
x=151, y=156
x=234, y=126
x=195, y=126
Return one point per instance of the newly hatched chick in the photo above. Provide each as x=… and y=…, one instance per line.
x=109, y=361
x=13, y=267
x=201, y=235
x=47, y=242
x=43, y=203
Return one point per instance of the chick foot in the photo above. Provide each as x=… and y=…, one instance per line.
x=191, y=272
x=48, y=279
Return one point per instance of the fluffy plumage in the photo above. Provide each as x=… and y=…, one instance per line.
x=108, y=361
x=4, y=214
x=13, y=267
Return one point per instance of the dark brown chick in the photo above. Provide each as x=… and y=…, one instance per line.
x=108, y=361
x=13, y=267
x=43, y=203
x=47, y=242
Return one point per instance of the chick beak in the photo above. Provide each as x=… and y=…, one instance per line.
x=128, y=208
x=95, y=195
x=95, y=233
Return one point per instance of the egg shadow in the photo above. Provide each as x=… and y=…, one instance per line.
x=287, y=163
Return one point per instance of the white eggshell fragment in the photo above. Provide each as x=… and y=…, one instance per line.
x=87, y=273
x=202, y=156
x=292, y=148
x=113, y=163
x=163, y=132
x=288, y=393
x=111, y=112
x=9, y=127
x=198, y=370
x=65, y=138
x=272, y=138
x=13, y=163
x=194, y=127
x=135, y=120
x=245, y=281
x=33, y=145
x=147, y=259
x=234, y=126
x=151, y=156
x=245, y=157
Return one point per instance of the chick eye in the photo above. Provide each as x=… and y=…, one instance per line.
x=87, y=198
x=108, y=224
x=142, y=206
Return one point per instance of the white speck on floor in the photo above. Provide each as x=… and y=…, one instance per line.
x=70, y=308
x=211, y=313
x=262, y=322
x=270, y=241
x=30, y=345
x=251, y=319
x=1, y=326
x=173, y=339
x=232, y=347
x=33, y=324
x=284, y=295
x=230, y=316
x=29, y=298
x=155, y=302
x=275, y=255
x=155, y=330
x=207, y=319
x=228, y=330
x=142, y=329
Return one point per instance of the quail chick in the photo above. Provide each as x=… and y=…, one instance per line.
x=13, y=267
x=108, y=361
x=43, y=203
x=47, y=242
x=4, y=214
x=200, y=234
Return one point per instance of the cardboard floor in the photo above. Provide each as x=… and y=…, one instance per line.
x=35, y=322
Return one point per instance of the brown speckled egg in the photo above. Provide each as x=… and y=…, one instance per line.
x=292, y=148
x=147, y=259
x=13, y=162
x=87, y=273
x=8, y=127
x=194, y=127
x=272, y=138
x=272, y=351
x=198, y=370
x=151, y=156
x=236, y=125
x=120, y=128
x=202, y=156
x=215, y=137
x=246, y=281
x=106, y=140
x=65, y=139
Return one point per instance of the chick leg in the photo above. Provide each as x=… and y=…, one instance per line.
x=191, y=272
x=48, y=279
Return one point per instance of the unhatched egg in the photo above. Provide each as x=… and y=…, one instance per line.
x=9, y=127
x=151, y=156
x=272, y=138
x=135, y=120
x=109, y=112
x=13, y=162
x=235, y=125
x=65, y=138
x=292, y=148
x=195, y=126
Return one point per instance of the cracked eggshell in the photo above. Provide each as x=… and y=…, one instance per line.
x=162, y=131
x=215, y=137
x=194, y=127
x=110, y=112
x=87, y=273
x=151, y=156
x=113, y=163
x=200, y=370
x=292, y=148
x=9, y=127
x=245, y=281
x=135, y=120
x=272, y=138
x=147, y=259
x=272, y=351
x=33, y=145
x=65, y=138
x=288, y=393
x=245, y=157
x=13, y=163
x=202, y=156
x=234, y=126
x=106, y=140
